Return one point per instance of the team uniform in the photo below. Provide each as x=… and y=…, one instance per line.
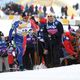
x=20, y=29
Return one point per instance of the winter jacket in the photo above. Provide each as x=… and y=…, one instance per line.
x=53, y=33
x=3, y=49
x=68, y=46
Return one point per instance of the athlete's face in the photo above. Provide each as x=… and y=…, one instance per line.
x=26, y=18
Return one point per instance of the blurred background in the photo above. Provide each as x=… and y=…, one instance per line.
x=67, y=11
x=73, y=5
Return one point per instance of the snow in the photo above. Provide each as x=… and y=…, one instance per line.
x=60, y=73
x=2, y=14
x=66, y=27
x=5, y=26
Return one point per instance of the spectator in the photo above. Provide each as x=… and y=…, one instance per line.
x=3, y=53
x=44, y=10
x=10, y=56
x=26, y=8
x=36, y=9
x=52, y=10
x=62, y=10
x=52, y=36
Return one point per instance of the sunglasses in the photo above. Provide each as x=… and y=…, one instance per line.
x=50, y=16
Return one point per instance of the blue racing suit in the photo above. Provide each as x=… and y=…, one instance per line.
x=18, y=38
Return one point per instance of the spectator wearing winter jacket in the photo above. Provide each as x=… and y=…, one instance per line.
x=68, y=45
x=36, y=9
x=26, y=8
x=78, y=43
x=3, y=54
x=51, y=9
x=52, y=36
x=44, y=10
x=28, y=57
x=31, y=9
x=10, y=56
x=42, y=23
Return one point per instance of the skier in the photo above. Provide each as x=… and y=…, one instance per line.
x=19, y=37
x=21, y=28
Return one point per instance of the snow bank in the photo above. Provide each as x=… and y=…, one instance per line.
x=61, y=73
x=5, y=26
x=2, y=14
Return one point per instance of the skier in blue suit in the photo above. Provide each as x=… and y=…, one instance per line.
x=20, y=29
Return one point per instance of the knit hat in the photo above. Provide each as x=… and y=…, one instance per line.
x=24, y=14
